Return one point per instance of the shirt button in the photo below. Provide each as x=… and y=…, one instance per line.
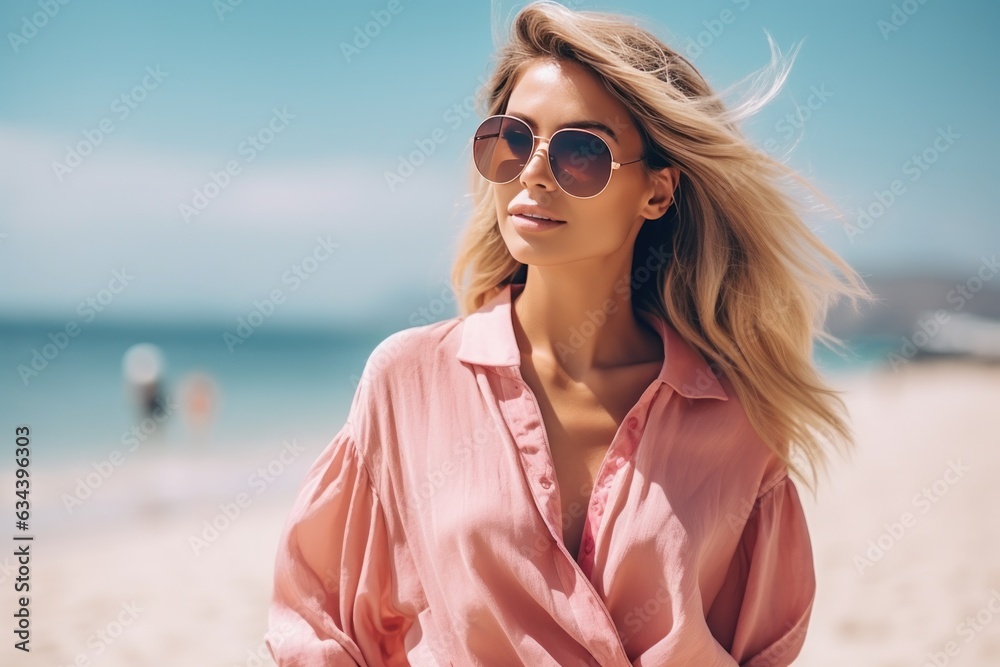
x=546, y=483
x=632, y=422
x=588, y=546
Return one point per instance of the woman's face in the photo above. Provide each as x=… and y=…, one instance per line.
x=551, y=95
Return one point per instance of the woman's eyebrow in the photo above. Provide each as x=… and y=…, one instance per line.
x=581, y=124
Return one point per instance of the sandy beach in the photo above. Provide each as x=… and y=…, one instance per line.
x=905, y=540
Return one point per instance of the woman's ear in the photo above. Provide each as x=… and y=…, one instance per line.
x=663, y=183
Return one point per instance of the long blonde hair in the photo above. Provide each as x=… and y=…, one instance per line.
x=746, y=282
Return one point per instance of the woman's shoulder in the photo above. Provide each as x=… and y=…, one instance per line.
x=412, y=347
x=404, y=370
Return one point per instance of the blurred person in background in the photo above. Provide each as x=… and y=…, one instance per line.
x=199, y=397
x=143, y=369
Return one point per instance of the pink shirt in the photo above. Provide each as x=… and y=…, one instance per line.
x=429, y=531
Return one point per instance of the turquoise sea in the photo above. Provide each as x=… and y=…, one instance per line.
x=276, y=385
x=279, y=384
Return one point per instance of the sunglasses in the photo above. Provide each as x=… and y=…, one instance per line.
x=580, y=160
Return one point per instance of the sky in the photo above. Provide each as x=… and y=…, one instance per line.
x=237, y=150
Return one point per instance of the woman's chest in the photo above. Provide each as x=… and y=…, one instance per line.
x=514, y=465
x=580, y=424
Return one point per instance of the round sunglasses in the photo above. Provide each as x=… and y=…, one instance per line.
x=580, y=160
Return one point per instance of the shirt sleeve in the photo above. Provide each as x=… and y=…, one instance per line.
x=332, y=600
x=763, y=608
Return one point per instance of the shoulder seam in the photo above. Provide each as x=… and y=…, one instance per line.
x=361, y=457
x=772, y=485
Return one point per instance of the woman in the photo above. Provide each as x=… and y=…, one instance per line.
x=593, y=464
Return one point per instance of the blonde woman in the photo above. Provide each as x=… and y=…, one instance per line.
x=595, y=462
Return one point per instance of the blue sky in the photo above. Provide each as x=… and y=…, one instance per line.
x=334, y=124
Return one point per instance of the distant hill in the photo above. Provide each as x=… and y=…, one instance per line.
x=905, y=300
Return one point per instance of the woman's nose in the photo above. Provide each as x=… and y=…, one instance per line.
x=536, y=171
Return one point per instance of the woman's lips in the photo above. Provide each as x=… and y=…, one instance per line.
x=529, y=224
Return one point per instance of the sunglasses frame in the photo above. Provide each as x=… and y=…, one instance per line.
x=534, y=149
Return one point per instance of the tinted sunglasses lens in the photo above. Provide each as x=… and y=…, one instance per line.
x=581, y=162
x=501, y=148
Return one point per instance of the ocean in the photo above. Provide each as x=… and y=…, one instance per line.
x=276, y=385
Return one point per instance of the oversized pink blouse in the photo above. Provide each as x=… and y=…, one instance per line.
x=429, y=530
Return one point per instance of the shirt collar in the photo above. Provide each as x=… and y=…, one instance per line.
x=488, y=340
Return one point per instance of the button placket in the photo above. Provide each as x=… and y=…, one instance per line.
x=532, y=451
x=598, y=607
x=623, y=447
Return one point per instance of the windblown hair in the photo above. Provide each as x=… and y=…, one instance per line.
x=747, y=282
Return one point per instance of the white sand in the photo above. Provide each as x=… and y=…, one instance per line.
x=210, y=609
x=118, y=582
x=917, y=603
